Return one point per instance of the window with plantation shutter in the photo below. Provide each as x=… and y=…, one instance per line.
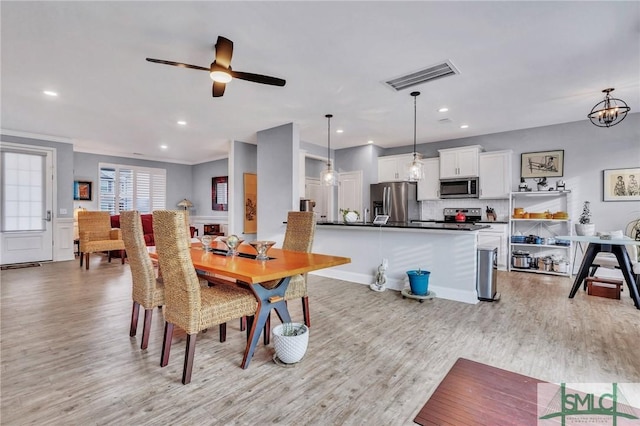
x=132, y=188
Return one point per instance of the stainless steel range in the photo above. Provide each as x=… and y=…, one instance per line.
x=471, y=215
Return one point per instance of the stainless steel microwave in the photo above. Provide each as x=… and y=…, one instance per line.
x=459, y=188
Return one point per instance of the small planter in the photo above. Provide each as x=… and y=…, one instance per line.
x=586, y=229
x=419, y=282
x=290, y=341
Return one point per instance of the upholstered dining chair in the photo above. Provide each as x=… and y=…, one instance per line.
x=147, y=290
x=96, y=235
x=188, y=305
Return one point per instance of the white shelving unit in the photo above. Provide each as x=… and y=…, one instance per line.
x=539, y=202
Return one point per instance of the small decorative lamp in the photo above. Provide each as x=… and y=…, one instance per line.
x=609, y=112
x=185, y=204
x=329, y=177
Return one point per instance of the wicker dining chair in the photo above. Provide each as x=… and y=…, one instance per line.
x=96, y=235
x=147, y=290
x=301, y=228
x=188, y=305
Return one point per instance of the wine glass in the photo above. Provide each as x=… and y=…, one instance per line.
x=262, y=247
x=232, y=242
x=206, y=241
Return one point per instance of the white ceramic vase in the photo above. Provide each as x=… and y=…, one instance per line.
x=290, y=349
x=586, y=229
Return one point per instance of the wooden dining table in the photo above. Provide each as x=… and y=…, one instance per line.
x=243, y=267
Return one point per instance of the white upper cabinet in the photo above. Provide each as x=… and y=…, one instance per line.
x=459, y=162
x=429, y=185
x=495, y=174
x=394, y=168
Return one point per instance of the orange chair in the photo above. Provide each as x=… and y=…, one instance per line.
x=96, y=235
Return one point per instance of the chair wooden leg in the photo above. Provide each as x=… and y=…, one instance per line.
x=266, y=333
x=249, y=324
x=305, y=311
x=134, y=319
x=166, y=344
x=86, y=260
x=109, y=256
x=122, y=255
x=81, y=258
x=223, y=332
x=188, y=358
x=146, y=329
x=243, y=323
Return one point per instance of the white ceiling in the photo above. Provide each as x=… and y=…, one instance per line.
x=522, y=65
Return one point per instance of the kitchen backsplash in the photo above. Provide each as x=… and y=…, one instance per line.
x=433, y=209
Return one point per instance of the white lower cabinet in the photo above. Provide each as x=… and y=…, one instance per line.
x=496, y=236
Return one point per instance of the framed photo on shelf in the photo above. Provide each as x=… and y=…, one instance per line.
x=542, y=164
x=621, y=184
x=82, y=190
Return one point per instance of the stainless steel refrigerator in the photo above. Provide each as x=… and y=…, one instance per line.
x=398, y=200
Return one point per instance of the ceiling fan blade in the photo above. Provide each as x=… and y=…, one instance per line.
x=258, y=78
x=218, y=89
x=177, y=64
x=224, y=51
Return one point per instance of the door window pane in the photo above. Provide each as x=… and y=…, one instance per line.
x=23, y=189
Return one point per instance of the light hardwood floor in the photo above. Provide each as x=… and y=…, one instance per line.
x=373, y=358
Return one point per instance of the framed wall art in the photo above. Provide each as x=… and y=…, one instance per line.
x=542, y=164
x=621, y=184
x=82, y=190
x=219, y=193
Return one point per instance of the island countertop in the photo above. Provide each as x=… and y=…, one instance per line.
x=431, y=225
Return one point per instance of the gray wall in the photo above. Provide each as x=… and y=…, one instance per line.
x=278, y=179
x=64, y=170
x=201, y=186
x=179, y=176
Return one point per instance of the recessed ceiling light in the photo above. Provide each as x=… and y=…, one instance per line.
x=369, y=141
x=443, y=109
x=182, y=122
x=164, y=146
x=339, y=131
x=464, y=126
x=50, y=93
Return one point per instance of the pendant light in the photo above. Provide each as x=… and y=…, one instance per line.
x=415, y=168
x=609, y=112
x=329, y=177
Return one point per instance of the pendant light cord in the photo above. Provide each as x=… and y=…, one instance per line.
x=329, y=139
x=415, y=119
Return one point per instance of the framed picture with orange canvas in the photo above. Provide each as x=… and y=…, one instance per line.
x=82, y=190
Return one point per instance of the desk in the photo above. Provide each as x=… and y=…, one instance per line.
x=615, y=246
x=282, y=266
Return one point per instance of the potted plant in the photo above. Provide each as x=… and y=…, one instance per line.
x=585, y=227
x=349, y=215
x=290, y=341
x=419, y=282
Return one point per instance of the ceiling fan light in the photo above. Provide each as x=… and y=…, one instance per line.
x=220, y=76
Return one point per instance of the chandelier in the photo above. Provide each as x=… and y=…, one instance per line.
x=415, y=168
x=329, y=177
x=609, y=112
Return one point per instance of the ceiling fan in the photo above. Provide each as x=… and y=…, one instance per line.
x=220, y=69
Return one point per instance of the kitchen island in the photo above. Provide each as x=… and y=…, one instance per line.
x=447, y=250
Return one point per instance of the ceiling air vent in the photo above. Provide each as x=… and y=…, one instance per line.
x=425, y=75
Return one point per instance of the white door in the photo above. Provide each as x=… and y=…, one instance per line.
x=350, y=191
x=26, y=185
x=318, y=193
